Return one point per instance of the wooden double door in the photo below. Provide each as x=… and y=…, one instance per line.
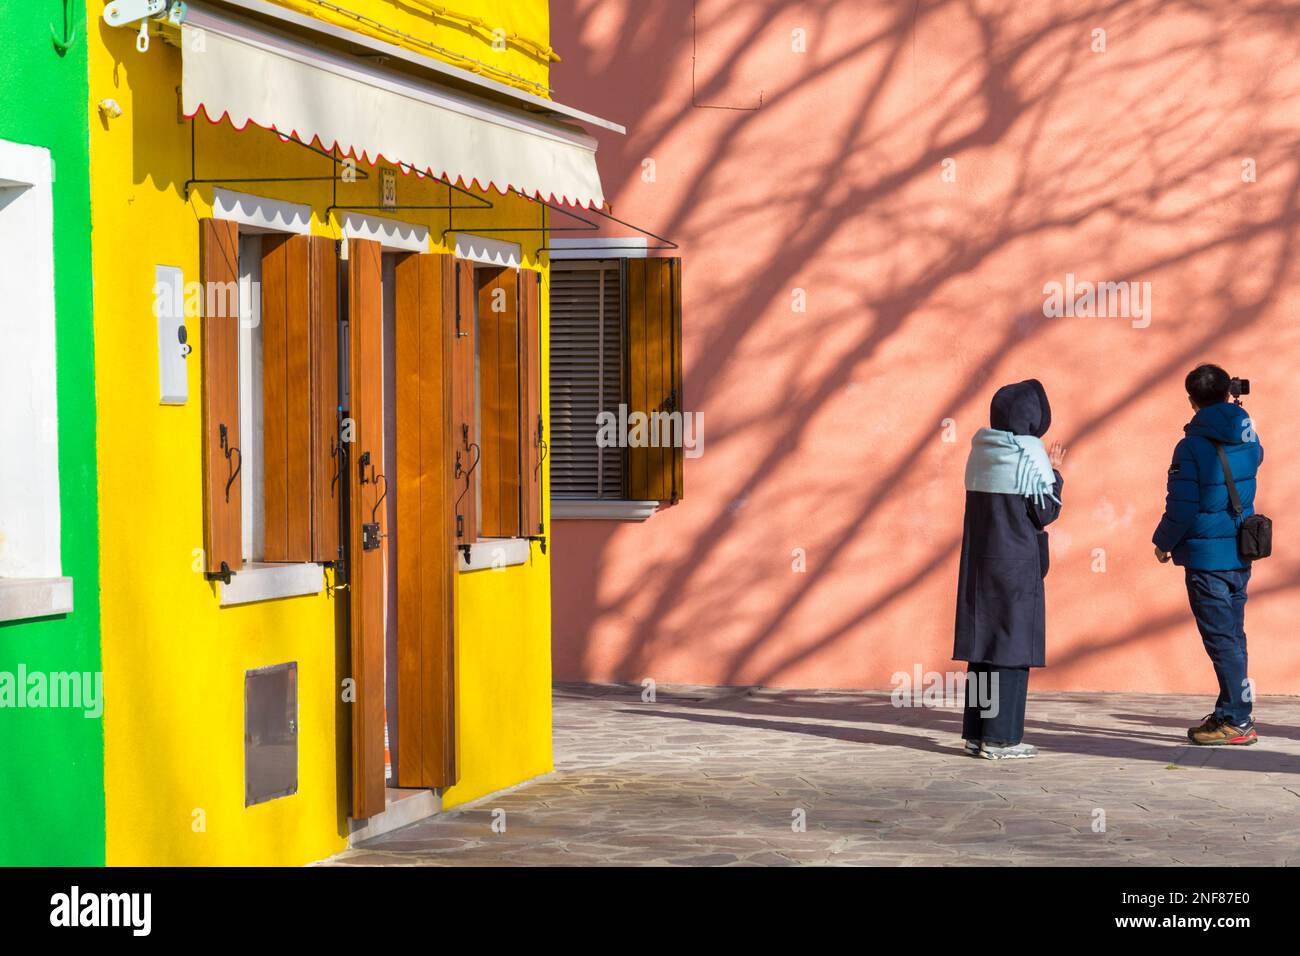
x=416, y=505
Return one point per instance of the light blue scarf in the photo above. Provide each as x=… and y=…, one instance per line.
x=1003, y=463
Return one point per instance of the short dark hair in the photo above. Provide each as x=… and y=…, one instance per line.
x=1207, y=385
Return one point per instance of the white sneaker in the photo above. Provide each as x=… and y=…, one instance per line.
x=973, y=748
x=1019, y=751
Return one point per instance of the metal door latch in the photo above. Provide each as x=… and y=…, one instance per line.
x=370, y=536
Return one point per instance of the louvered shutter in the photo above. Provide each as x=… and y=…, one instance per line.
x=586, y=334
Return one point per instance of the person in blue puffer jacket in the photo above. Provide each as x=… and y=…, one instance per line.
x=1198, y=532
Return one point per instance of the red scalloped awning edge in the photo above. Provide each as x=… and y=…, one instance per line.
x=407, y=169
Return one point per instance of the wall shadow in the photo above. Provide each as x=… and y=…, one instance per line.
x=919, y=171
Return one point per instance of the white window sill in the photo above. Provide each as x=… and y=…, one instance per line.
x=22, y=598
x=269, y=582
x=602, y=510
x=494, y=553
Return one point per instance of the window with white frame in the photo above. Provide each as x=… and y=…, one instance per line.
x=617, y=418
x=587, y=362
x=31, y=581
x=270, y=341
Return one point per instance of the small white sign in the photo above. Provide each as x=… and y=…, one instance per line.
x=388, y=188
x=173, y=337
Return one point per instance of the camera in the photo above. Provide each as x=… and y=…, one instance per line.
x=1238, y=387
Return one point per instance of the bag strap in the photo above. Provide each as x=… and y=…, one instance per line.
x=1233, y=497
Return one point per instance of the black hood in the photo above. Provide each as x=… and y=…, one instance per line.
x=1021, y=409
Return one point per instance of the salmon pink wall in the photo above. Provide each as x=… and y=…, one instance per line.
x=921, y=170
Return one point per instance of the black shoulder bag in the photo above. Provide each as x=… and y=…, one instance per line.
x=1254, y=534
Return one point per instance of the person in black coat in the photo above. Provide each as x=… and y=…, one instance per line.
x=1013, y=493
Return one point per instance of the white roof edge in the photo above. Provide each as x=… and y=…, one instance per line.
x=312, y=25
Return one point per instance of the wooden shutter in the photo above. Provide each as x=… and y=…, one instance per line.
x=286, y=397
x=219, y=252
x=678, y=377
x=586, y=364
x=532, y=432
x=325, y=459
x=425, y=302
x=498, y=402
x=654, y=317
x=466, y=454
x=366, y=588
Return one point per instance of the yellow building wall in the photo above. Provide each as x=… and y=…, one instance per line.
x=174, y=660
x=466, y=33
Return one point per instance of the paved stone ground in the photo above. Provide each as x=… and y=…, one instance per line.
x=714, y=776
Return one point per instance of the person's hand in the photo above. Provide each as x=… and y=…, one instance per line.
x=1162, y=556
x=1057, y=455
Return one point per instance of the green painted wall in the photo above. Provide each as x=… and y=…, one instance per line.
x=51, y=761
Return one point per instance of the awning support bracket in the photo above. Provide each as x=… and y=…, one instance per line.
x=480, y=202
x=587, y=226
x=331, y=155
x=665, y=244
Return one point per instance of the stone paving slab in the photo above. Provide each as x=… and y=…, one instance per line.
x=709, y=776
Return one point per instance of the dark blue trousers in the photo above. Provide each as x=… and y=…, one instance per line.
x=1218, y=600
x=1006, y=728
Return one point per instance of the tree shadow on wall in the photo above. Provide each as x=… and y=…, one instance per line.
x=1080, y=156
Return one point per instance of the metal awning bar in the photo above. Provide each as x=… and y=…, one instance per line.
x=588, y=225
x=328, y=34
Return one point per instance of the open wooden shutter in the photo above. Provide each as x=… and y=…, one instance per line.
x=532, y=433
x=323, y=332
x=654, y=350
x=498, y=402
x=425, y=301
x=219, y=252
x=675, y=365
x=286, y=397
x=466, y=455
x=300, y=398
x=366, y=588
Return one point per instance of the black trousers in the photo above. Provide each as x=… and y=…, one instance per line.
x=995, y=704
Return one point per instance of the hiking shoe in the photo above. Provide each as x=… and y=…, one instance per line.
x=1207, y=724
x=1224, y=734
x=1016, y=752
x=973, y=748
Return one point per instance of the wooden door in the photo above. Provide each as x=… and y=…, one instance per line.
x=366, y=525
x=425, y=298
